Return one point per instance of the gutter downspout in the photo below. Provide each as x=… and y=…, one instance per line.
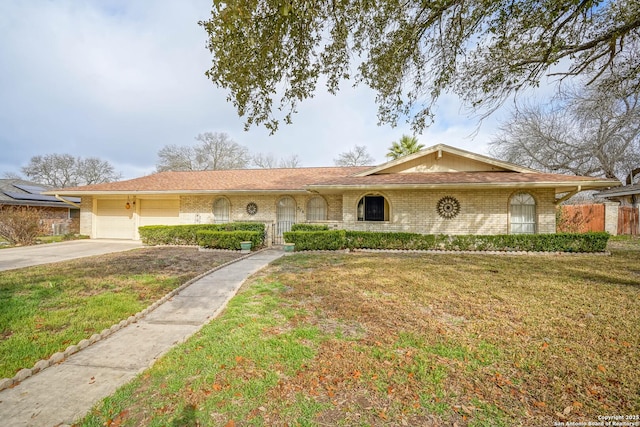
x=568, y=195
x=75, y=205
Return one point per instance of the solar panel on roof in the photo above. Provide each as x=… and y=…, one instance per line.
x=33, y=189
x=34, y=197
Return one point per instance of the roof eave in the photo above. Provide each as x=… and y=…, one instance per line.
x=169, y=192
x=559, y=186
x=618, y=193
x=35, y=204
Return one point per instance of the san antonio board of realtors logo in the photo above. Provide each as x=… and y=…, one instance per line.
x=448, y=207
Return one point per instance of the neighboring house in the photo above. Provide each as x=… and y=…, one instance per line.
x=57, y=216
x=629, y=195
x=627, y=212
x=438, y=190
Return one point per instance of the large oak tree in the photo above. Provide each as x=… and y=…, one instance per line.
x=271, y=54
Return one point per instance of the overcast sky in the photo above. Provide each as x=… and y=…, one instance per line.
x=119, y=80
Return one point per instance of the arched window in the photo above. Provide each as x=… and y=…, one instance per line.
x=221, y=210
x=522, y=210
x=373, y=208
x=316, y=209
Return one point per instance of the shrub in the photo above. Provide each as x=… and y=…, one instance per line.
x=316, y=240
x=309, y=227
x=383, y=240
x=228, y=239
x=562, y=242
x=20, y=225
x=187, y=234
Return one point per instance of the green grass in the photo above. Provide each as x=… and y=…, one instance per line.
x=378, y=339
x=226, y=371
x=45, y=309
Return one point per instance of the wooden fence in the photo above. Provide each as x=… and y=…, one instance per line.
x=628, y=220
x=581, y=218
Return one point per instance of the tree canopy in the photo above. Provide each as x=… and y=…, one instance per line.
x=271, y=55
x=405, y=146
x=585, y=131
x=65, y=170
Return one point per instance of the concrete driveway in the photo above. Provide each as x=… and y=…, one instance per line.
x=27, y=256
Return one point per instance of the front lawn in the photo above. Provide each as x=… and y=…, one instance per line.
x=406, y=339
x=44, y=309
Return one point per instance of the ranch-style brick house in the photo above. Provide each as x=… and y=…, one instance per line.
x=439, y=190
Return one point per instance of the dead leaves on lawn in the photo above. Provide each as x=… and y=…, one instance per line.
x=423, y=340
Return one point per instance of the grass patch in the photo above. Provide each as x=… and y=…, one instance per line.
x=44, y=309
x=406, y=339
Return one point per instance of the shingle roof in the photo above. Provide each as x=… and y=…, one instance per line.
x=487, y=173
x=301, y=179
x=27, y=193
x=627, y=190
x=454, y=178
x=235, y=180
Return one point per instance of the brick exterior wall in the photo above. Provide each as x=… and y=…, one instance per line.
x=199, y=209
x=86, y=216
x=481, y=211
x=57, y=219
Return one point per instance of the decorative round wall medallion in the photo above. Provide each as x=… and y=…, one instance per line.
x=252, y=208
x=448, y=207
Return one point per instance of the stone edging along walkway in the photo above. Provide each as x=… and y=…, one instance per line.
x=60, y=356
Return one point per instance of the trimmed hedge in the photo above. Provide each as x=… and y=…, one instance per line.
x=316, y=240
x=309, y=227
x=382, y=240
x=560, y=242
x=228, y=239
x=187, y=234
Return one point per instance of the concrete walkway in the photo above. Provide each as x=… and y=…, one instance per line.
x=62, y=393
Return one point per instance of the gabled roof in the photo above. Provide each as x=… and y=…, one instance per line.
x=442, y=166
x=26, y=193
x=443, y=158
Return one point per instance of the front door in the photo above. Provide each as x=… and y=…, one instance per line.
x=285, y=218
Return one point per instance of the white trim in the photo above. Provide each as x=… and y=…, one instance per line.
x=442, y=148
x=586, y=185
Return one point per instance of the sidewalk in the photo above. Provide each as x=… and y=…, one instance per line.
x=62, y=393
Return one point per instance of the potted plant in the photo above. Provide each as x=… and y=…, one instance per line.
x=245, y=247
